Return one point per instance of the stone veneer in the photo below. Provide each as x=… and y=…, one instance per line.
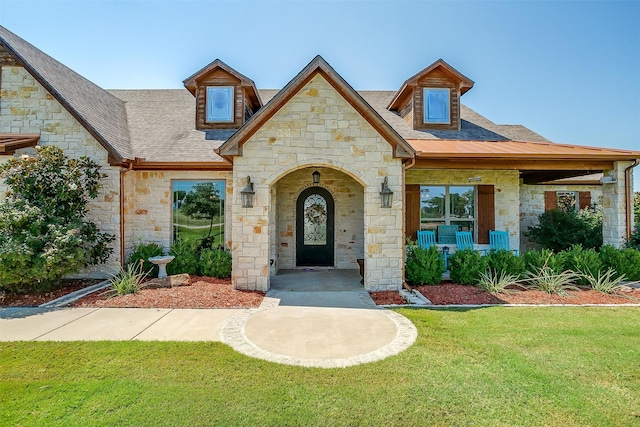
x=506, y=187
x=614, y=217
x=316, y=128
x=26, y=107
x=148, y=206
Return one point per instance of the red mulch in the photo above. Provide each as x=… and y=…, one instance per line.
x=451, y=293
x=204, y=292
x=387, y=298
x=65, y=287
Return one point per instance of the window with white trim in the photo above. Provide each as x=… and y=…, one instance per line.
x=448, y=205
x=436, y=106
x=220, y=102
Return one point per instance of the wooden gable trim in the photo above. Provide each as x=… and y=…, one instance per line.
x=463, y=82
x=233, y=146
x=114, y=157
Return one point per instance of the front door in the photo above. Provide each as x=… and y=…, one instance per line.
x=314, y=228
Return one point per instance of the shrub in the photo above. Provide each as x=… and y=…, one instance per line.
x=633, y=242
x=187, y=257
x=546, y=280
x=43, y=232
x=607, y=282
x=424, y=265
x=144, y=251
x=499, y=282
x=537, y=259
x=558, y=229
x=504, y=261
x=585, y=262
x=216, y=263
x=127, y=281
x=466, y=266
x=623, y=261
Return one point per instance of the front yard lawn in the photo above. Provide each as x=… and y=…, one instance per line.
x=492, y=366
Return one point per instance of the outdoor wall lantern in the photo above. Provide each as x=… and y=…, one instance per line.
x=316, y=177
x=247, y=194
x=386, y=194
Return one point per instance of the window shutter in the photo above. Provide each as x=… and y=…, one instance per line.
x=550, y=200
x=584, y=199
x=412, y=210
x=486, y=212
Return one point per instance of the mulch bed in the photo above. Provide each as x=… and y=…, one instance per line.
x=451, y=293
x=387, y=298
x=35, y=299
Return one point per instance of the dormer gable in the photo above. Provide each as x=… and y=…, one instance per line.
x=225, y=99
x=430, y=100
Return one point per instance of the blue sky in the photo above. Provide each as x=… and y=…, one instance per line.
x=569, y=70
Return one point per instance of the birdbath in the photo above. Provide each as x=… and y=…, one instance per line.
x=161, y=262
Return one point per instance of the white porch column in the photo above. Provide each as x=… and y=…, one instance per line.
x=614, y=220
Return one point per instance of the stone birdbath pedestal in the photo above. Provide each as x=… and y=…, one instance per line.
x=161, y=262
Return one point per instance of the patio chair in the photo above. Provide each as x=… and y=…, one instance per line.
x=426, y=238
x=499, y=240
x=464, y=240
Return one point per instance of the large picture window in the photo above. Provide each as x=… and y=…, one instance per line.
x=198, y=211
x=447, y=205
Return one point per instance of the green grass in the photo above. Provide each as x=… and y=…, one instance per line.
x=492, y=367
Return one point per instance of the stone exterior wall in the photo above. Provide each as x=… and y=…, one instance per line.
x=316, y=128
x=532, y=205
x=148, y=206
x=348, y=195
x=26, y=107
x=506, y=187
x=614, y=217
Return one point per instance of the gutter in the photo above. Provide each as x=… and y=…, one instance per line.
x=628, y=196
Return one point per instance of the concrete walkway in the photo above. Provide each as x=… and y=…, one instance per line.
x=296, y=324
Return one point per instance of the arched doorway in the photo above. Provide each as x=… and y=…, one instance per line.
x=315, y=228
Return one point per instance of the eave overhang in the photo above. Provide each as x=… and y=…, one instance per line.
x=10, y=142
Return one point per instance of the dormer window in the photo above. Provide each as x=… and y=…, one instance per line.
x=220, y=101
x=437, y=106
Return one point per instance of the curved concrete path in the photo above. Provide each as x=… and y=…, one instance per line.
x=324, y=329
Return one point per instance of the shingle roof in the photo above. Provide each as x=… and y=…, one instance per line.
x=101, y=113
x=162, y=127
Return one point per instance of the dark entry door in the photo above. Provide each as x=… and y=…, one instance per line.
x=314, y=228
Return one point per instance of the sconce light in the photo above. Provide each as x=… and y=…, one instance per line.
x=316, y=177
x=386, y=194
x=474, y=179
x=247, y=194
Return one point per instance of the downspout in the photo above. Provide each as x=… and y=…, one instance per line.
x=628, y=196
x=122, y=220
x=406, y=166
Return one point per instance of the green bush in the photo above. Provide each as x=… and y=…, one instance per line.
x=216, y=263
x=623, y=261
x=144, y=251
x=127, y=281
x=535, y=260
x=585, y=262
x=43, y=231
x=187, y=257
x=633, y=242
x=504, y=261
x=466, y=266
x=424, y=265
x=558, y=229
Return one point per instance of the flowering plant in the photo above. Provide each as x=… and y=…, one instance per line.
x=43, y=231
